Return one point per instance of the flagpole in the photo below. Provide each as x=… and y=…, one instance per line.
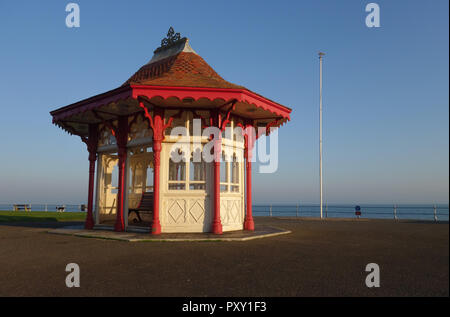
x=320, y=139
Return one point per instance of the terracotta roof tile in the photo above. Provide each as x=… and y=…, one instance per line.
x=184, y=70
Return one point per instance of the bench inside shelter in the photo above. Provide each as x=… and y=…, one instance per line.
x=145, y=206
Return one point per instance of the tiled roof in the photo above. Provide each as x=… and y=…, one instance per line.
x=185, y=69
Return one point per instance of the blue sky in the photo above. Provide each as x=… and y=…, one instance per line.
x=386, y=99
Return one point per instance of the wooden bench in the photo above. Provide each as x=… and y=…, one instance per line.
x=145, y=206
x=25, y=207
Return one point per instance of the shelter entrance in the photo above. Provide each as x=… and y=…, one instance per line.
x=140, y=186
x=108, y=188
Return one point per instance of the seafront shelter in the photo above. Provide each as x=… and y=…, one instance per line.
x=144, y=171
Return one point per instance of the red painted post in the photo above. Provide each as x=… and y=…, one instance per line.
x=158, y=127
x=122, y=138
x=156, y=224
x=92, y=148
x=249, y=224
x=217, y=224
x=158, y=135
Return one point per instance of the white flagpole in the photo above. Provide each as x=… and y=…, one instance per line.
x=320, y=139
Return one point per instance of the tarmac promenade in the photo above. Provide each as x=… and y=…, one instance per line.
x=317, y=258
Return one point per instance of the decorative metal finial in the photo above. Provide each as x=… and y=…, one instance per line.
x=171, y=38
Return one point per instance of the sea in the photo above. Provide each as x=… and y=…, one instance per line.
x=438, y=212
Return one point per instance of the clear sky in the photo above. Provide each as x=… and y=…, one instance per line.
x=386, y=97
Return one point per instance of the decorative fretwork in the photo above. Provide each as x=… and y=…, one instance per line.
x=139, y=129
x=106, y=136
x=179, y=120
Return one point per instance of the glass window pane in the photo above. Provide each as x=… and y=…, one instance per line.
x=223, y=169
x=177, y=171
x=235, y=170
x=197, y=171
x=115, y=180
x=149, y=181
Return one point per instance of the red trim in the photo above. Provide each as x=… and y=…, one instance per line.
x=249, y=224
x=224, y=94
x=217, y=224
x=156, y=224
x=134, y=91
x=249, y=142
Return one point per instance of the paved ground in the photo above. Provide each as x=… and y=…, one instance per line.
x=319, y=258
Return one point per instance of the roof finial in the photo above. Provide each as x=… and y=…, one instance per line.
x=171, y=38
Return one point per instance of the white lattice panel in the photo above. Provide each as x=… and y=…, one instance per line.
x=185, y=215
x=196, y=211
x=176, y=211
x=231, y=211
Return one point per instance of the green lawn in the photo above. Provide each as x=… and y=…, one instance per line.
x=36, y=216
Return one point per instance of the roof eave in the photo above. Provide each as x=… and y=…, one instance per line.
x=244, y=95
x=102, y=98
x=134, y=91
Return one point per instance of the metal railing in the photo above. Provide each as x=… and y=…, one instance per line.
x=419, y=212
x=48, y=207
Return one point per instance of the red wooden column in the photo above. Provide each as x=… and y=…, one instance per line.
x=158, y=136
x=121, y=138
x=217, y=223
x=158, y=128
x=156, y=224
x=249, y=138
x=249, y=223
x=91, y=143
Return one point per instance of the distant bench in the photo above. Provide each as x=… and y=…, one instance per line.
x=145, y=206
x=25, y=207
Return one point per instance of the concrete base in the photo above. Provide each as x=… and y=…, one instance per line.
x=137, y=235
